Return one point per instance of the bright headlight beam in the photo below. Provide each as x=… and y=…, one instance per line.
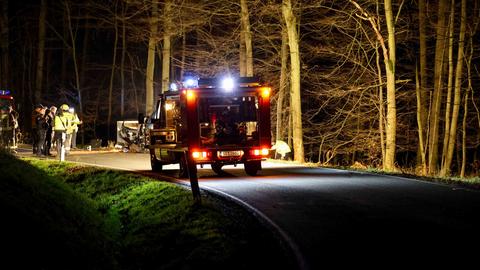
x=228, y=84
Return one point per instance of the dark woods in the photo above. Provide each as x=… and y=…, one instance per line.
x=109, y=59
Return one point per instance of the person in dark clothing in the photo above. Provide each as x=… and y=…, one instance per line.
x=42, y=126
x=50, y=116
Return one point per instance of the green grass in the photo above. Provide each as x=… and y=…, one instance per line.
x=71, y=216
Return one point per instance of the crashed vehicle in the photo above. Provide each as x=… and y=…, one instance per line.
x=215, y=122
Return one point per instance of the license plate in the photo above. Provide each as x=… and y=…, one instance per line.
x=230, y=153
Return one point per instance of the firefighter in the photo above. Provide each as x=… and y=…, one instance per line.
x=61, y=124
x=41, y=128
x=74, y=129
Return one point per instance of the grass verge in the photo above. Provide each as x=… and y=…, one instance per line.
x=67, y=216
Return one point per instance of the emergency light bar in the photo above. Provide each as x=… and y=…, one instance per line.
x=4, y=92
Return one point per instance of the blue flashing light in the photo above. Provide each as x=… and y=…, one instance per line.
x=4, y=92
x=190, y=83
x=173, y=87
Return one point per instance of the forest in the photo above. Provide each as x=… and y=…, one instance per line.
x=387, y=84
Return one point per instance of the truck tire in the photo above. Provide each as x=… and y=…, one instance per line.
x=252, y=167
x=217, y=168
x=156, y=165
x=183, y=171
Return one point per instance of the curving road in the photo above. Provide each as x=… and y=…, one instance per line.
x=334, y=218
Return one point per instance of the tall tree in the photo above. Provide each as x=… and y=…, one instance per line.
x=152, y=41
x=166, y=49
x=295, y=94
x=458, y=88
x=247, y=38
x=280, y=128
x=391, y=130
x=122, y=60
x=448, y=109
x=422, y=95
x=437, y=87
x=389, y=55
x=112, y=69
x=40, y=50
x=74, y=56
x=4, y=46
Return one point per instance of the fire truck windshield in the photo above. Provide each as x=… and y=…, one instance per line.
x=228, y=120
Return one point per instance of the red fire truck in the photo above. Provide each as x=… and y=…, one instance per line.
x=215, y=122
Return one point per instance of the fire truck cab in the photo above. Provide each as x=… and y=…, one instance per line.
x=215, y=122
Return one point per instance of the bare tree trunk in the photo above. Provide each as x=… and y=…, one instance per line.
x=184, y=48
x=448, y=108
x=149, y=91
x=40, y=51
x=458, y=88
x=381, y=111
x=423, y=102
x=295, y=98
x=242, y=55
x=122, y=62
x=247, y=34
x=166, y=49
x=469, y=90
x=281, y=88
x=4, y=48
x=74, y=56
x=391, y=129
x=421, y=139
x=437, y=91
x=112, y=72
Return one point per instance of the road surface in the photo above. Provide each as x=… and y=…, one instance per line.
x=336, y=218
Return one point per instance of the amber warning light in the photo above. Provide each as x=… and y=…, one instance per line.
x=265, y=92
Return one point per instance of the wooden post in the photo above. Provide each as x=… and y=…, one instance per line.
x=192, y=175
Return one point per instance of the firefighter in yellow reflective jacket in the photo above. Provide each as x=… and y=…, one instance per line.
x=61, y=125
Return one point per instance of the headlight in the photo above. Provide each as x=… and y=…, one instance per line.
x=228, y=84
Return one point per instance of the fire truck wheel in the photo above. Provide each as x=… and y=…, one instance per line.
x=183, y=172
x=252, y=167
x=156, y=165
x=217, y=168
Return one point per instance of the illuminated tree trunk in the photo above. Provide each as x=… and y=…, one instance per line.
x=458, y=88
x=247, y=35
x=437, y=88
x=166, y=49
x=4, y=48
x=40, y=51
x=391, y=129
x=420, y=123
x=242, y=65
x=280, y=127
x=448, y=108
x=422, y=92
x=295, y=96
x=149, y=93
x=469, y=91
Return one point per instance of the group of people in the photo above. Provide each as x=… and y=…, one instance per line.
x=52, y=126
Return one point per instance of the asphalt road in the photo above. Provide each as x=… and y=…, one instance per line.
x=339, y=218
